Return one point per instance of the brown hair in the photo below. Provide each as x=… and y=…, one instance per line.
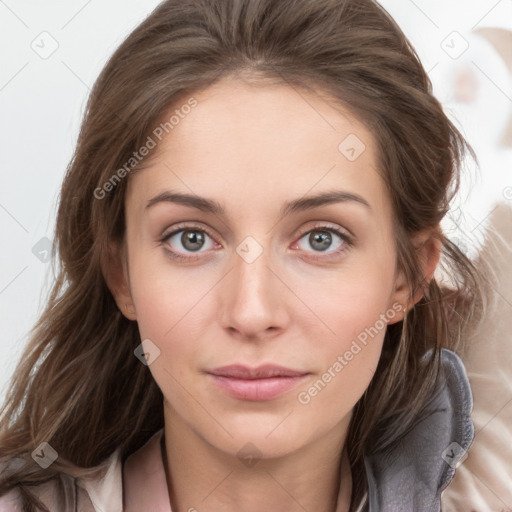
x=78, y=385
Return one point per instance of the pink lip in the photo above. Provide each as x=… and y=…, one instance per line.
x=256, y=384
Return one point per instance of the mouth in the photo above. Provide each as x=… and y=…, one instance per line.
x=256, y=384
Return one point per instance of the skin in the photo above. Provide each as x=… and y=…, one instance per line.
x=252, y=149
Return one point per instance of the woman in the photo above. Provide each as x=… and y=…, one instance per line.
x=246, y=315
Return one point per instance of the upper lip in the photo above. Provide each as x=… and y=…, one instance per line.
x=238, y=371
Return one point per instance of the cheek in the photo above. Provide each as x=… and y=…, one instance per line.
x=332, y=394
x=351, y=359
x=355, y=309
x=174, y=309
x=350, y=356
x=165, y=297
x=347, y=301
x=166, y=307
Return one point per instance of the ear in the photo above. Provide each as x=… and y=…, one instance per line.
x=428, y=248
x=115, y=271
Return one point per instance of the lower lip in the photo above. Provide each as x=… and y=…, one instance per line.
x=257, y=389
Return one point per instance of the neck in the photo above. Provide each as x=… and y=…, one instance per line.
x=200, y=477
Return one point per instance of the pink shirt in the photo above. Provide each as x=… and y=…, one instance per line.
x=144, y=480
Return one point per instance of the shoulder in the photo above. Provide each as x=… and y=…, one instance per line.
x=101, y=493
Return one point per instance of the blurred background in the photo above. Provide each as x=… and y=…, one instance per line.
x=53, y=51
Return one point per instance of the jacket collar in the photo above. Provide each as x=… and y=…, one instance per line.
x=412, y=474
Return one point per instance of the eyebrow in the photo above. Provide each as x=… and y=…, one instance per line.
x=297, y=205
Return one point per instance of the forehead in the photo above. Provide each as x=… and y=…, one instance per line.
x=263, y=138
x=281, y=116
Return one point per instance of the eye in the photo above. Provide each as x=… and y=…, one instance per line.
x=187, y=239
x=323, y=238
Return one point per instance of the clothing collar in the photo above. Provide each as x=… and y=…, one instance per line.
x=409, y=475
x=412, y=474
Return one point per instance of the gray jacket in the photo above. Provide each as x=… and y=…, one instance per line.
x=412, y=475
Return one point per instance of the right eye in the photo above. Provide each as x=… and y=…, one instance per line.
x=186, y=239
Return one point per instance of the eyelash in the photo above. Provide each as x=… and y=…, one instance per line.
x=347, y=241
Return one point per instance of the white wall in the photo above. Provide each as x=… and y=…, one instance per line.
x=42, y=99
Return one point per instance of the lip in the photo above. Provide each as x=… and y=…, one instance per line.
x=256, y=384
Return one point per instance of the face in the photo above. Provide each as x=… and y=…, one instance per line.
x=250, y=271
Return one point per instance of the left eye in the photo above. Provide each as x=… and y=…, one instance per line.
x=321, y=239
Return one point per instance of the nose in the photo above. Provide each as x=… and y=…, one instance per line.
x=253, y=299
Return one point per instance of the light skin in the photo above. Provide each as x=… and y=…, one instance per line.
x=253, y=149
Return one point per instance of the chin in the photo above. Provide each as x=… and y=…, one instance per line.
x=266, y=438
